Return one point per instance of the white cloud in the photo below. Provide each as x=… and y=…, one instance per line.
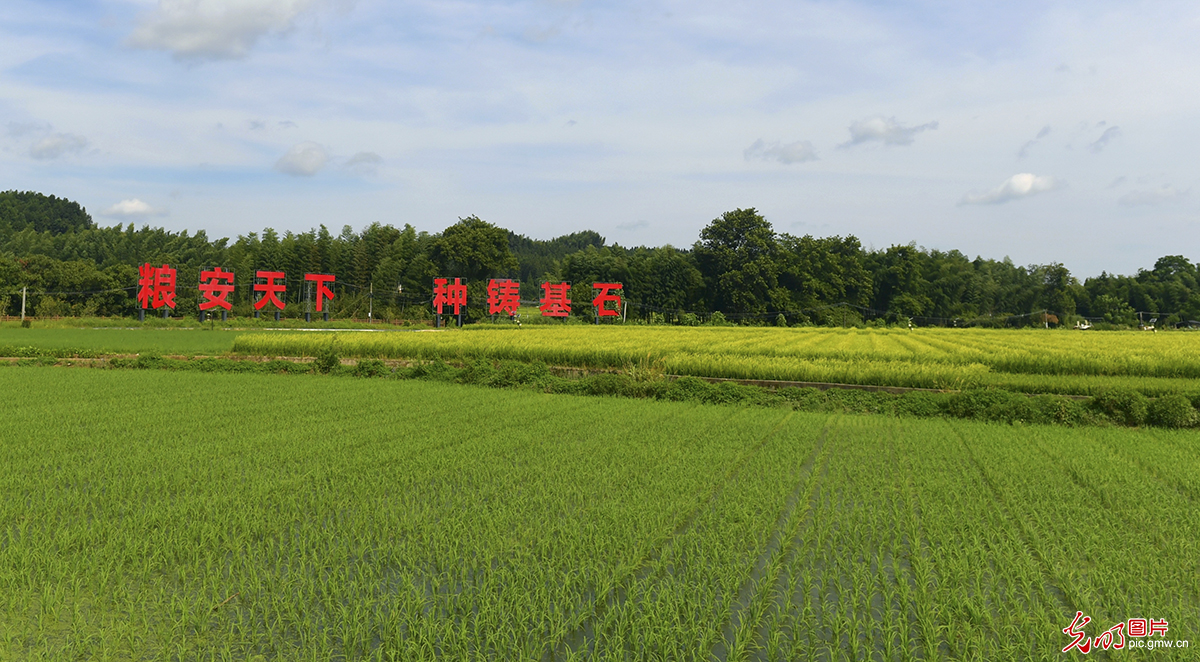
x=633, y=225
x=133, y=208
x=1164, y=193
x=885, y=130
x=303, y=160
x=797, y=152
x=58, y=144
x=1109, y=134
x=364, y=163
x=215, y=29
x=1021, y=185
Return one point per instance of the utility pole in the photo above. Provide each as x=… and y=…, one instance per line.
x=371, y=301
x=23, y=288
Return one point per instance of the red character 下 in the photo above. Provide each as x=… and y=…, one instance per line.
x=322, y=290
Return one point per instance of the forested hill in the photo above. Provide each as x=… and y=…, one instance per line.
x=739, y=265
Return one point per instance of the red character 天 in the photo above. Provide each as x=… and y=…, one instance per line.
x=604, y=297
x=322, y=290
x=1075, y=629
x=269, y=288
x=503, y=296
x=216, y=285
x=450, y=294
x=554, y=300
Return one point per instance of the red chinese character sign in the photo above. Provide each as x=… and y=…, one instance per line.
x=554, y=300
x=215, y=287
x=449, y=294
x=604, y=296
x=156, y=288
x=323, y=291
x=504, y=296
x=269, y=289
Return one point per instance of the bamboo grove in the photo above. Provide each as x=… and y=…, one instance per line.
x=740, y=266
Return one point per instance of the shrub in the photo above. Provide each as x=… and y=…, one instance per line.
x=920, y=404
x=1124, y=406
x=369, y=368
x=1063, y=411
x=687, y=388
x=1172, y=411
x=990, y=404
x=781, y=320
x=606, y=384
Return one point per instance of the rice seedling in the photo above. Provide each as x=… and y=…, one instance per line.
x=189, y=516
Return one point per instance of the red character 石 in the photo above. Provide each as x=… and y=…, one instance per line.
x=603, y=297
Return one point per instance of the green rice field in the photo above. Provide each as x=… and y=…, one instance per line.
x=155, y=515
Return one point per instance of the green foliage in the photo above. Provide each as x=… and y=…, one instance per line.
x=1121, y=406
x=327, y=359
x=1171, y=411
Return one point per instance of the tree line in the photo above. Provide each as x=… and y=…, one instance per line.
x=739, y=266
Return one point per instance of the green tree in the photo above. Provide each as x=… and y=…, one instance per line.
x=474, y=249
x=738, y=256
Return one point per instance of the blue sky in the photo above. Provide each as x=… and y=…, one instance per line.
x=1042, y=131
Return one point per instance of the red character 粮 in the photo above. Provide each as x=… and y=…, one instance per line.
x=156, y=286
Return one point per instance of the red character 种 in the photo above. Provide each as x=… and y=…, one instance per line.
x=449, y=294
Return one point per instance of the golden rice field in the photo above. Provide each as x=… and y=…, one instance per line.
x=1032, y=360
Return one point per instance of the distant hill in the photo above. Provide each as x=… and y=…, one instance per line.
x=20, y=210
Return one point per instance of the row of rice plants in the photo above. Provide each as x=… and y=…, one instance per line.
x=957, y=354
x=195, y=516
x=416, y=519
